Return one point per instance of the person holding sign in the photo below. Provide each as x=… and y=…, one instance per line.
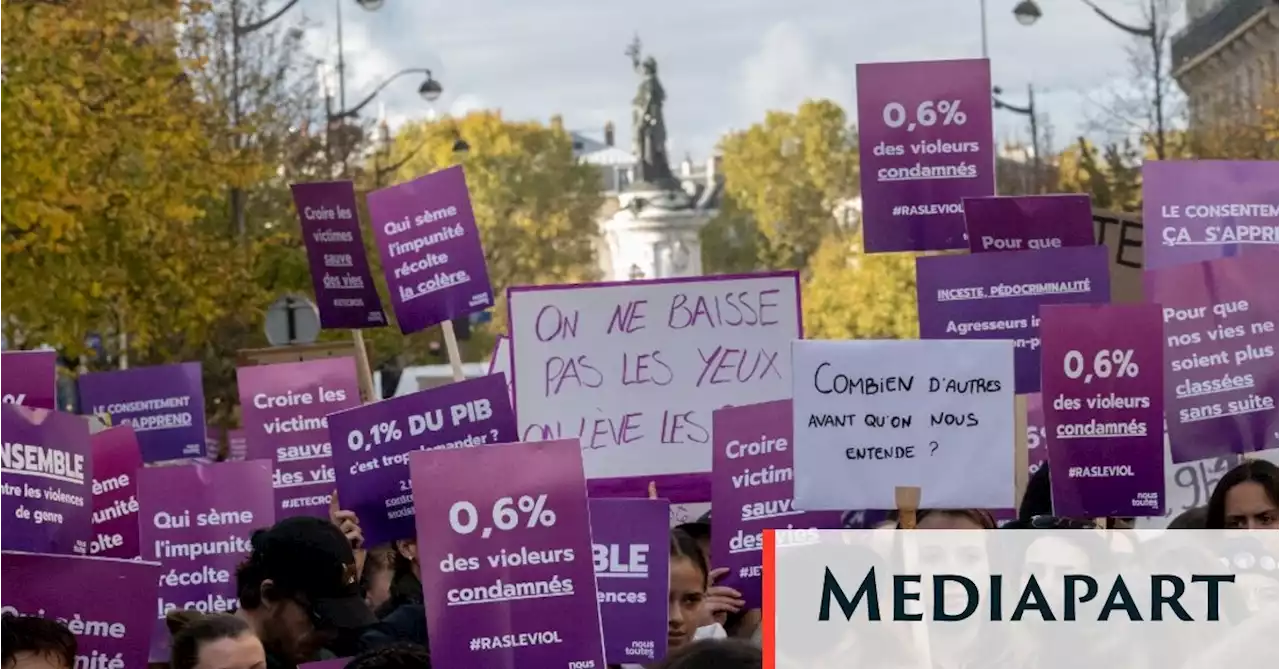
x=300, y=588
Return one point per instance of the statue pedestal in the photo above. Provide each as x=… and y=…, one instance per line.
x=655, y=236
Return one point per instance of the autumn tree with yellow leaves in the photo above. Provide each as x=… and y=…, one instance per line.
x=536, y=205
x=787, y=178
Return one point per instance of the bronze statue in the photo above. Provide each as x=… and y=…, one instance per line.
x=649, y=130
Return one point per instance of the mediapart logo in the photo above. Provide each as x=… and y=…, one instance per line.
x=1162, y=598
x=1026, y=598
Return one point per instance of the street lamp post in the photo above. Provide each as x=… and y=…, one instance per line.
x=1030, y=112
x=238, y=31
x=1028, y=12
x=430, y=90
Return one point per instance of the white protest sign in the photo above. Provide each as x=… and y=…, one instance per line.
x=500, y=362
x=873, y=415
x=636, y=368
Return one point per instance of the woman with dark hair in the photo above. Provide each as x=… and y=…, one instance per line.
x=31, y=642
x=215, y=641
x=396, y=656
x=687, y=592
x=715, y=654
x=1245, y=498
x=953, y=519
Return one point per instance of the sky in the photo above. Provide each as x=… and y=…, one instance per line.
x=724, y=63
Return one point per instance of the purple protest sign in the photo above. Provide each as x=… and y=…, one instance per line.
x=1028, y=222
x=104, y=602
x=504, y=540
x=926, y=145
x=1037, y=451
x=195, y=520
x=1219, y=354
x=374, y=442
x=237, y=445
x=213, y=439
x=629, y=549
x=999, y=295
x=116, y=461
x=1103, y=408
x=430, y=248
x=283, y=409
x=752, y=490
x=1195, y=210
x=345, y=292
x=47, y=481
x=164, y=405
x=30, y=378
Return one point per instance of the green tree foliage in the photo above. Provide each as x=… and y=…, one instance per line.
x=784, y=177
x=852, y=295
x=535, y=204
x=1112, y=176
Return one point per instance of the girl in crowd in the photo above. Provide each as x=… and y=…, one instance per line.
x=216, y=641
x=1245, y=498
x=686, y=596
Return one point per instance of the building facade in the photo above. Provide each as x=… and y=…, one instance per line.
x=1225, y=59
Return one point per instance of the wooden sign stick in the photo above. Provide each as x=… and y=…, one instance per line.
x=907, y=499
x=451, y=344
x=653, y=490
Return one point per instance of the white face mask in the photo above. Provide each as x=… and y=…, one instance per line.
x=712, y=631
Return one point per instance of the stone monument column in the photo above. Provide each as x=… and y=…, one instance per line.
x=655, y=233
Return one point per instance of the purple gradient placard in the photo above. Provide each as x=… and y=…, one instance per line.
x=163, y=404
x=46, y=473
x=196, y=521
x=999, y=295
x=1037, y=450
x=1104, y=409
x=236, y=446
x=630, y=543
x=283, y=409
x=30, y=378
x=110, y=598
x=373, y=443
x=925, y=146
x=346, y=294
x=1219, y=354
x=430, y=249
x=1196, y=210
x=504, y=540
x=116, y=461
x=1028, y=222
x=751, y=491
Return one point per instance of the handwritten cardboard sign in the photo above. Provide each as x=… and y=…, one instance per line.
x=635, y=369
x=873, y=415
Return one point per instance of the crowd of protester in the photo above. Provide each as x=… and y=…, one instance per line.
x=310, y=591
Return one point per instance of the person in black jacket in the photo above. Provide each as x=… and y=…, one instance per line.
x=403, y=617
